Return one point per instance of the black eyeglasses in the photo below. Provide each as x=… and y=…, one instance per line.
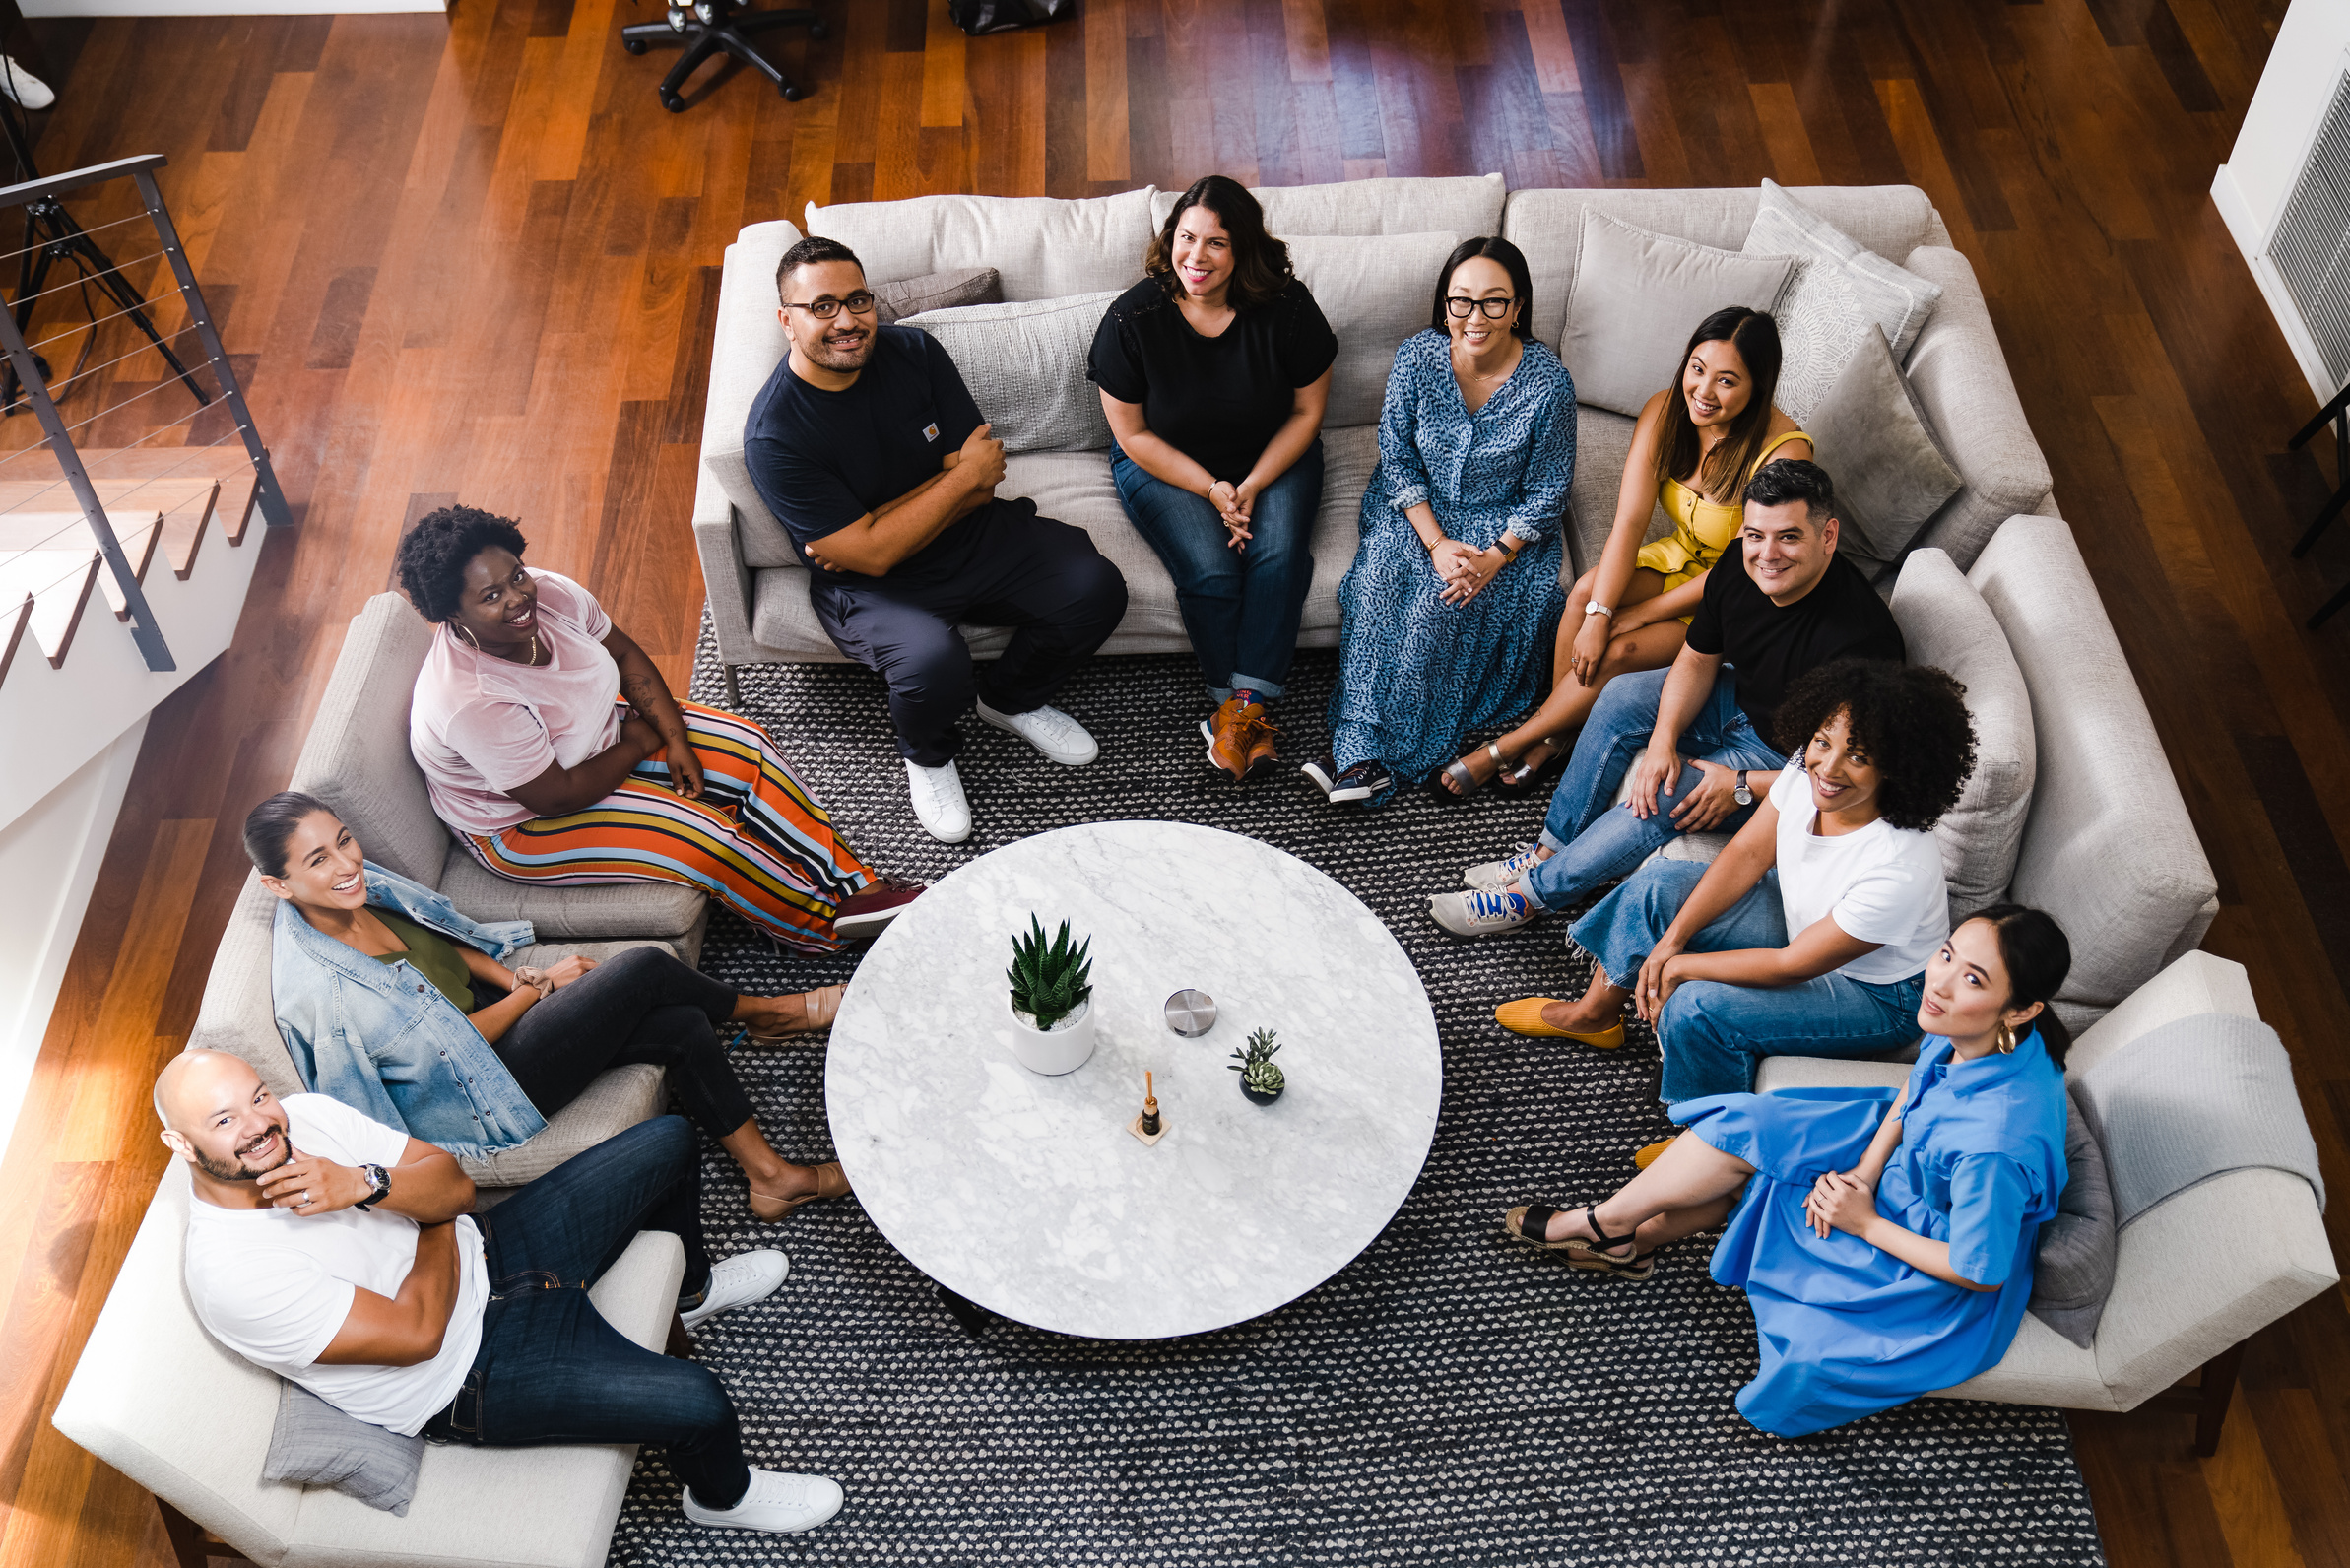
x=859, y=304
x=1495, y=309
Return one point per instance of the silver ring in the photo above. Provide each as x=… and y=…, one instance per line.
x=305, y=1203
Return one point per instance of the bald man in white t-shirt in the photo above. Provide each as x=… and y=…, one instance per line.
x=339, y=1253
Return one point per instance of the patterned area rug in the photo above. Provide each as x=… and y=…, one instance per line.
x=1448, y=1399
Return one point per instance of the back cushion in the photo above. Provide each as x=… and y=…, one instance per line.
x=2108, y=849
x=1945, y=623
x=356, y=756
x=1636, y=297
x=1026, y=366
x=749, y=344
x=1043, y=248
x=1465, y=205
x=1375, y=293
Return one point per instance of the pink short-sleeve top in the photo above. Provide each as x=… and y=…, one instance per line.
x=480, y=726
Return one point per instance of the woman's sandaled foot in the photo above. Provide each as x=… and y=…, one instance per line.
x=1594, y=1250
x=830, y=1182
x=1532, y=764
x=814, y=1013
x=1462, y=779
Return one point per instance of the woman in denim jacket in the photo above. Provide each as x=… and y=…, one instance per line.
x=375, y=981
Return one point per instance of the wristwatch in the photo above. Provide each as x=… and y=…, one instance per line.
x=1742, y=795
x=379, y=1186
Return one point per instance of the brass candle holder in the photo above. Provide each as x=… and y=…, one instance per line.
x=1148, y=1126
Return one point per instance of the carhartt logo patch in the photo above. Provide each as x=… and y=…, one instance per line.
x=929, y=433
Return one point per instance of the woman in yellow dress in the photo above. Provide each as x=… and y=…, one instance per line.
x=1693, y=451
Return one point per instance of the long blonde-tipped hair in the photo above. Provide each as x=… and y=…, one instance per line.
x=1718, y=475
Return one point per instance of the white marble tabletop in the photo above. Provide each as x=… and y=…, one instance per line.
x=1027, y=1194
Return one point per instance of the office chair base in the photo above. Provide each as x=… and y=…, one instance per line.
x=730, y=35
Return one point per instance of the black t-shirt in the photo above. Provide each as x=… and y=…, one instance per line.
x=1842, y=618
x=822, y=460
x=1216, y=400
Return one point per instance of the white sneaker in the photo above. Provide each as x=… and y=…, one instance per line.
x=1482, y=912
x=1051, y=731
x=778, y=1502
x=23, y=88
x=939, y=804
x=739, y=1280
x=1498, y=874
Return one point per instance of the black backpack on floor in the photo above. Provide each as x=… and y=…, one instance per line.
x=976, y=17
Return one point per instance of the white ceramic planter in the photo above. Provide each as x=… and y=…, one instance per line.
x=1064, y=1048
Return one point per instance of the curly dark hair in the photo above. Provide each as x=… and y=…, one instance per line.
x=1910, y=721
x=1261, y=267
x=434, y=554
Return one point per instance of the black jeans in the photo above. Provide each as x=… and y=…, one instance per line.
x=641, y=1006
x=1041, y=577
x=550, y=1368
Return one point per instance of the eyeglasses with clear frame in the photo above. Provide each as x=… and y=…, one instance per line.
x=1494, y=308
x=859, y=304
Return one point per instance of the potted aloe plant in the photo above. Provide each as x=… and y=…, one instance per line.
x=1260, y=1079
x=1052, y=1001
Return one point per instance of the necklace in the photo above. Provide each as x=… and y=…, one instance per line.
x=1488, y=376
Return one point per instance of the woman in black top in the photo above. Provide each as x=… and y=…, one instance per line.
x=1214, y=372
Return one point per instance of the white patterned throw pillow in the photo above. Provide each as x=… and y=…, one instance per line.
x=1025, y=366
x=1840, y=290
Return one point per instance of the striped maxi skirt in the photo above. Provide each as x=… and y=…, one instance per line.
x=756, y=840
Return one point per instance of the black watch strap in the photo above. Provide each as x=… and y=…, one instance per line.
x=379, y=1186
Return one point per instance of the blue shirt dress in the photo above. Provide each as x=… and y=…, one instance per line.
x=1844, y=1328
x=1416, y=674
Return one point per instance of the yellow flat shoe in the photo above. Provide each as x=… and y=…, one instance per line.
x=1646, y=1156
x=1525, y=1016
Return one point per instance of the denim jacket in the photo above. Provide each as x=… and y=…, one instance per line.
x=384, y=1040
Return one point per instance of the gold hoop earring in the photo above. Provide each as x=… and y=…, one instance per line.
x=2006, y=1040
x=471, y=640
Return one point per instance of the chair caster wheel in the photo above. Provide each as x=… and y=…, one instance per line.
x=674, y=104
x=793, y=94
x=633, y=45
x=817, y=30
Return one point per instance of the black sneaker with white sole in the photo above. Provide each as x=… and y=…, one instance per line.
x=1357, y=783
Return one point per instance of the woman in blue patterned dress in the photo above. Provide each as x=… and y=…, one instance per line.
x=1450, y=605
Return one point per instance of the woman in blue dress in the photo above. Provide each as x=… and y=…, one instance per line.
x=1448, y=607
x=1885, y=1243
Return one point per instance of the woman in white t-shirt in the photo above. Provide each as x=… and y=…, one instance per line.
x=1810, y=932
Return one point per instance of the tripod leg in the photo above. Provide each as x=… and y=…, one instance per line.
x=2332, y=409
x=113, y=284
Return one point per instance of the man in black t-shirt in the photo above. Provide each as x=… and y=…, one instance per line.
x=866, y=447
x=1785, y=605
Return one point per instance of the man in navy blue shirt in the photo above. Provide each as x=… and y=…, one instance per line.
x=866, y=447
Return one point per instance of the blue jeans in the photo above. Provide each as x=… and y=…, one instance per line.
x=551, y=1369
x=1590, y=844
x=1711, y=1032
x=1240, y=607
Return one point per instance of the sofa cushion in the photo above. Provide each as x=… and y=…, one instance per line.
x=1466, y=204
x=748, y=347
x=1891, y=219
x=1840, y=291
x=2072, y=1269
x=1872, y=433
x=590, y=913
x=357, y=757
x=1602, y=446
x=614, y=1101
x=1961, y=374
x=1042, y=247
x=1945, y=623
x=940, y=291
x=1374, y=294
x=2108, y=849
x=313, y=1444
x=1025, y=366
x=1635, y=298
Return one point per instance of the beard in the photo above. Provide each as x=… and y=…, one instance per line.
x=239, y=1171
x=837, y=357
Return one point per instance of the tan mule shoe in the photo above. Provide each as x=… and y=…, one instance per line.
x=830, y=1182
x=1525, y=1016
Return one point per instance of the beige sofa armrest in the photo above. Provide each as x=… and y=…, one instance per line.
x=237, y=1014
x=725, y=578
x=2196, y=983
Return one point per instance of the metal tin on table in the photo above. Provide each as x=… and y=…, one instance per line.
x=1191, y=1014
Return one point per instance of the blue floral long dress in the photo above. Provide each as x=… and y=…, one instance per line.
x=1416, y=674
x=1844, y=1328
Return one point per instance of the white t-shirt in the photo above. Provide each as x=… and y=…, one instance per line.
x=276, y=1288
x=1882, y=883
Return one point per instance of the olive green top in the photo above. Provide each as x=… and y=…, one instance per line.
x=436, y=957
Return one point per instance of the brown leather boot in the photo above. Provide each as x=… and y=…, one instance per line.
x=1232, y=736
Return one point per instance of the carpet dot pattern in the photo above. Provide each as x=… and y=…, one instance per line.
x=1450, y=1398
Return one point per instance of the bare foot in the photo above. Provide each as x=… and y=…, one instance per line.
x=1481, y=767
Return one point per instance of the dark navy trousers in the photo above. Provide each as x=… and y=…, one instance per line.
x=1001, y=566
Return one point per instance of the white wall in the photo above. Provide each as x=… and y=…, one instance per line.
x=2312, y=50
x=50, y=858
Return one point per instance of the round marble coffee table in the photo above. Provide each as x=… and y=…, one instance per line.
x=1027, y=1194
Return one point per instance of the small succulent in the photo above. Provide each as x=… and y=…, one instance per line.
x=1049, y=982
x=1254, y=1064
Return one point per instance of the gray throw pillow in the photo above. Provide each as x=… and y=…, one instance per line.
x=2073, y=1270
x=938, y=291
x=313, y=1444
x=1840, y=291
x=1636, y=298
x=1026, y=366
x=1871, y=432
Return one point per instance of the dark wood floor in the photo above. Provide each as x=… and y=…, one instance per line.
x=471, y=256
